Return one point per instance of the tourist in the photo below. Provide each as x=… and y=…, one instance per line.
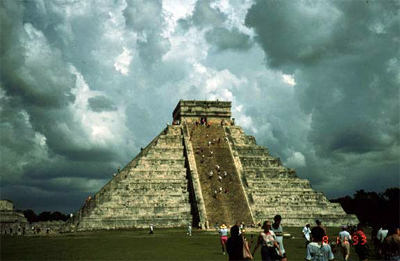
x=391, y=244
x=223, y=231
x=278, y=230
x=344, y=240
x=241, y=226
x=307, y=232
x=319, y=224
x=189, y=232
x=237, y=246
x=267, y=240
x=234, y=245
x=360, y=243
x=380, y=236
x=216, y=226
x=318, y=250
x=151, y=230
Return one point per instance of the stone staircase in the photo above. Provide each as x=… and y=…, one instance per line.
x=273, y=189
x=151, y=189
x=228, y=205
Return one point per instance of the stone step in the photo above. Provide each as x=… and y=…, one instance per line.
x=145, y=198
x=266, y=184
x=111, y=223
x=251, y=151
x=278, y=190
x=243, y=140
x=271, y=169
x=280, y=180
x=145, y=191
x=168, y=202
x=300, y=221
x=174, y=130
x=303, y=208
x=148, y=161
x=153, y=181
x=170, y=139
x=156, y=152
x=165, y=167
x=155, y=175
x=138, y=172
x=143, y=212
x=287, y=212
x=306, y=197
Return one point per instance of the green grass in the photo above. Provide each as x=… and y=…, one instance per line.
x=166, y=244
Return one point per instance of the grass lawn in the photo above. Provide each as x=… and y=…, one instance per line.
x=166, y=244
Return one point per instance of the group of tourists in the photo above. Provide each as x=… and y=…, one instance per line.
x=318, y=246
x=270, y=239
x=223, y=176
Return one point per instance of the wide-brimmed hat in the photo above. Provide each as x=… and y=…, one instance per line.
x=222, y=226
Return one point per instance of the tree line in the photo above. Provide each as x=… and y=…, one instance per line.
x=373, y=209
x=31, y=216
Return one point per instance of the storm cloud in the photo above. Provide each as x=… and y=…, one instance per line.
x=85, y=84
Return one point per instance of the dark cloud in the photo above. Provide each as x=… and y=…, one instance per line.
x=340, y=54
x=101, y=103
x=225, y=39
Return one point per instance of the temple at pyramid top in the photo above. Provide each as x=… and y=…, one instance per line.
x=192, y=111
x=202, y=170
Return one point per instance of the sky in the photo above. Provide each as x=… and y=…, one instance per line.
x=84, y=84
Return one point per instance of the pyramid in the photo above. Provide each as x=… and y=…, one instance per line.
x=203, y=170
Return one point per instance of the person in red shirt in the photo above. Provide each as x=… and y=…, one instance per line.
x=360, y=243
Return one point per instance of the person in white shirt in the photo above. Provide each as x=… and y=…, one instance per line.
x=307, y=232
x=381, y=235
x=223, y=231
x=344, y=241
x=267, y=240
x=151, y=229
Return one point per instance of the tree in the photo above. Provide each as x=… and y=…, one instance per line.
x=30, y=215
x=44, y=216
x=58, y=216
x=392, y=194
x=372, y=208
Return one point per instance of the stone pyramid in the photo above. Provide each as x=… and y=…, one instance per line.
x=169, y=183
